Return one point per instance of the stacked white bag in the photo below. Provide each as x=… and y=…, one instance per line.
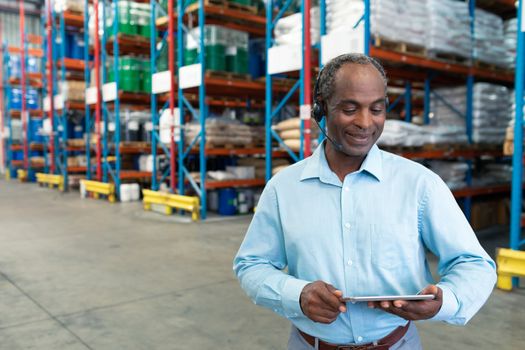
x=453, y=173
x=289, y=29
x=402, y=134
x=409, y=25
x=448, y=27
x=510, y=32
x=489, y=38
x=490, y=115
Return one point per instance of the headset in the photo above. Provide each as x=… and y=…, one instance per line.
x=318, y=111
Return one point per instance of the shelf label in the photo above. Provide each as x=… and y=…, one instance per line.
x=161, y=82
x=190, y=76
x=91, y=95
x=46, y=104
x=109, y=92
x=305, y=112
x=285, y=58
x=341, y=42
x=58, y=101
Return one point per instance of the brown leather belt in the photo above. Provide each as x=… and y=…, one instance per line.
x=383, y=344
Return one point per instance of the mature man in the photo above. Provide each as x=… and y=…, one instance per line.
x=353, y=220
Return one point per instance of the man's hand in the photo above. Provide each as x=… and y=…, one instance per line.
x=413, y=310
x=321, y=302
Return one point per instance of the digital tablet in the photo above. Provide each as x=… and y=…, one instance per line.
x=417, y=297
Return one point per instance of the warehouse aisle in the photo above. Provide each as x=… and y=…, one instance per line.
x=85, y=274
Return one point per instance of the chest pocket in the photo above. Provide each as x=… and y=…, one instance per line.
x=393, y=245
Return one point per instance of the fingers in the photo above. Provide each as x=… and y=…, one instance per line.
x=328, y=295
x=321, y=302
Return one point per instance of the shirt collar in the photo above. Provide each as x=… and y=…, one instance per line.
x=317, y=166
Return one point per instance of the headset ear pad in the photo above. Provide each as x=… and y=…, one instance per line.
x=317, y=112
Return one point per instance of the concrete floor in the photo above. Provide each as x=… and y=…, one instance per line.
x=86, y=274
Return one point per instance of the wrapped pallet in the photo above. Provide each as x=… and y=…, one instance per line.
x=510, y=28
x=488, y=38
x=453, y=173
x=289, y=29
x=221, y=132
x=69, y=5
x=490, y=115
x=455, y=17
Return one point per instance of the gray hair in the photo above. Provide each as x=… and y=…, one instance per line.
x=327, y=75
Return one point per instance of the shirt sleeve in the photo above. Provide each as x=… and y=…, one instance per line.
x=261, y=259
x=468, y=274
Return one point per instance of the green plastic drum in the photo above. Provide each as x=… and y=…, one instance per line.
x=130, y=69
x=215, y=59
x=146, y=77
x=238, y=62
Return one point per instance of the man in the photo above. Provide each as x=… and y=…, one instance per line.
x=353, y=220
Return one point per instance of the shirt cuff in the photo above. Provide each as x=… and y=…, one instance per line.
x=449, y=307
x=290, y=296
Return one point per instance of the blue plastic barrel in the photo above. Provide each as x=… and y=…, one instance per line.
x=32, y=99
x=34, y=127
x=227, y=201
x=16, y=99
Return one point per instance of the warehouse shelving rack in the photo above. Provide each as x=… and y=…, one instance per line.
x=24, y=169
x=427, y=68
x=58, y=24
x=168, y=39
x=110, y=99
x=206, y=94
x=303, y=85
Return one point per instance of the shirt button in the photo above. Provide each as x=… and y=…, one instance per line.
x=347, y=225
x=359, y=339
x=349, y=262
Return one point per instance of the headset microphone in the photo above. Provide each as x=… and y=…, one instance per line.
x=338, y=146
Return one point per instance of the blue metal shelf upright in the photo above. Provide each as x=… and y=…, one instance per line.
x=517, y=241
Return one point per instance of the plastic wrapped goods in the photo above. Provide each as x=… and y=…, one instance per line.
x=220, y=132
x=409, y=26
x=489, y=38
x=448, y=27
x=289, y=29
x=403, y=134
x=69, y=5
x=453, y=173
x=490, y=114
x=510, y=34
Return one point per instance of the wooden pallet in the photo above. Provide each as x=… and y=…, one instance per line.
x=226, y=4
x=135, y=144
x=448, y=57
x=215, y=145
x=227, y=75
x=400, y=46
x=485, y=65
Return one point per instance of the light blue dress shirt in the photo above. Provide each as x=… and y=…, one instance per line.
x=365, y=236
